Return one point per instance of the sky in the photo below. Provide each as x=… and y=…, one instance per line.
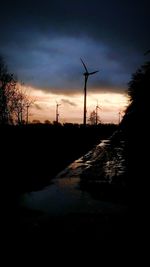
x=42, y=43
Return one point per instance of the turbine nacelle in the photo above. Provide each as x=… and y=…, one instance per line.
x=86, y=73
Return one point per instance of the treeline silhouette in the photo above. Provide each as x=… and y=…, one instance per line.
x=135, y=126
x=14, y=99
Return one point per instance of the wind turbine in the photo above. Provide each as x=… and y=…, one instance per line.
x=57, y=113
x=86, y=75
x=97, y=108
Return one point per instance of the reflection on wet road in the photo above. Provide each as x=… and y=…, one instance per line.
x=64, y=195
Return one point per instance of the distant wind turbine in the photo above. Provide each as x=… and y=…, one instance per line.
x=57, y=113
x=86, y=75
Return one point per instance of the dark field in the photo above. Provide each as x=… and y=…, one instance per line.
x=32, y=155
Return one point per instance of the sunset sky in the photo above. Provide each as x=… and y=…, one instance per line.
x=71, y=108
x=42, y=42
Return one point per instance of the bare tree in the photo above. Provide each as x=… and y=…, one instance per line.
x=94, y=118
x=15, y=101
x=21, y=104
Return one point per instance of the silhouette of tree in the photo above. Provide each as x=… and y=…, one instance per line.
x=94, y=118
x=36, y=121
x=7, y=85
x=14, y=100
x=47, y=122
x=135, y=125
x=138, y=92
x=21, y=103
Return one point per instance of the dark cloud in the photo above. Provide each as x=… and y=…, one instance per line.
x=43, y=41
x=66, y=101
x=37, y=106
x=126, y=20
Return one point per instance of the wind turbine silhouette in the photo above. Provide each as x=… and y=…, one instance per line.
x=97, y=108
x=86, y=75
x=57, y=113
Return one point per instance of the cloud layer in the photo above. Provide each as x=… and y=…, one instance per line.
x=43, y=42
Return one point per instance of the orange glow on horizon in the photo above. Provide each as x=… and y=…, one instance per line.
x=71, y=109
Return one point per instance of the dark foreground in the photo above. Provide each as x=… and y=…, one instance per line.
x=31, y=155
x=101, y=229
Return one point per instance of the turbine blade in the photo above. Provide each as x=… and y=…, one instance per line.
x=90, y=73
x=84, y=65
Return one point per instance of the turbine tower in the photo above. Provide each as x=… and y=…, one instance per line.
x=57, y=113
x=86, y=75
